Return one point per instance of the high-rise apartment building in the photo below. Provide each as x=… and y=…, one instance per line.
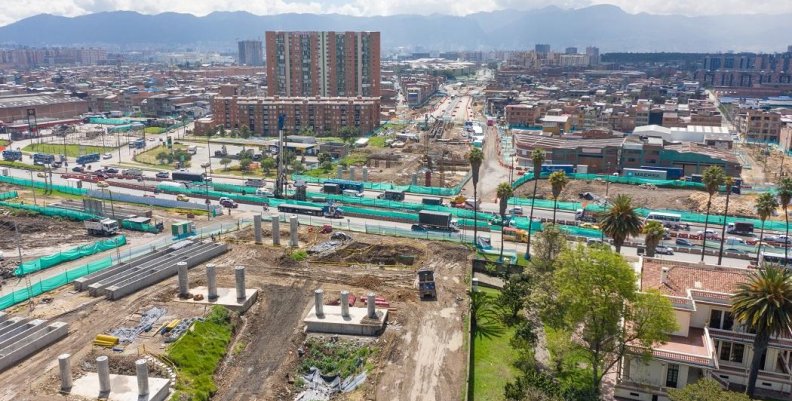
x=251, y=53
x=570, y=50
x=542, y=49
x=593, y=55
x=327, y=64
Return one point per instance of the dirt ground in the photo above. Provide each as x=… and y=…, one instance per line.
x=38, y=235
x=420, y=355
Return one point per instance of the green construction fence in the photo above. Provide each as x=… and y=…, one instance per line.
x=8, y=195
x=54, y=282
x=386, y=186
x=135, y=226
x=49, y=211
x=82, y=251
x=618, y=180
x=42, y=185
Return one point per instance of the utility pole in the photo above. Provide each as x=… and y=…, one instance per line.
x=279, y=180
x=33, y=187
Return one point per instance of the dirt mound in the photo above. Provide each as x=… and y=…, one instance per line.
x=385, y=254
x=367, y=282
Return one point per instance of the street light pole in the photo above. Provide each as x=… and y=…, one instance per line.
x=206, y=191
x=35, y=202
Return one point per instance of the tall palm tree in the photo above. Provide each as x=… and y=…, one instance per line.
x=538, y=158
x=713, y=177
x=764, y=305
x=621, y=221
x=475, y=157
x=504, y=193
x=785, y=196
x=558, y=180
x=654, y=233
x=766, y=204
x=729, y=183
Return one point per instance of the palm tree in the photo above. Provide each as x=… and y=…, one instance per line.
x=558, y=180
x=729, y=183
x=766, y=204
x=475, y=157
x=504, y=193
x=785, y=196
x=764, y=305
x=713, y=177
x=538, y=158
x=621, y=221
x=654, y=232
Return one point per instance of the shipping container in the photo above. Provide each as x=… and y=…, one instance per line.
x=566, y=168
x=643, y=173
x=672, y=173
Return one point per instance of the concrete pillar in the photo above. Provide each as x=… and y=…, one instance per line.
x=142, y=376
x=474, y=284
x=183, y=281
x=294, y=230
x=64, y=363
x=319, y=302
x=211, y=281
x=372, y=304
x=103, y=369
x=275, y=229
x=340, y=171
x=414, y=179
x=257, y=228
x=352, y=173
x=239, y=273
x=365, y=173
x=345, y=303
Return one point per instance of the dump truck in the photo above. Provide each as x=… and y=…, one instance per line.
x=740, y=228
x=426, y=283
x=438, y=221
x=104, y=227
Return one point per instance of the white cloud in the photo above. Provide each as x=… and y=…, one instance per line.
x=14, y=10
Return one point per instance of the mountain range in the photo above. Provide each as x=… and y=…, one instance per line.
x=605, y=26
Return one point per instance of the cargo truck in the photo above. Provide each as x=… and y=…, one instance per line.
x=740, y=228
x=587, y=216
x=392, y=195
x=183, y=175
x=432, y=201
x=104, y=227
x=426, y=283
x=437, y=221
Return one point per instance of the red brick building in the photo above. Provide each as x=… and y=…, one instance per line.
x=14, y=108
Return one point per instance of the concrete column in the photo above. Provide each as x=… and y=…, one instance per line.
x=183, y=281
x=345, y=303
x=275, y=229
x=340, y=171
x=414, y=179
x=257, y=228
x=319, y=302
x=142, y=376
x=64, y=363
x=352, y=173
x=294, y=230
x=103, y=369
x=211, y=281
x=372, y=304
x=365, y=173
x=239, y=273
x=474, y=284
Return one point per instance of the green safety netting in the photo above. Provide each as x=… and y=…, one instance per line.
x=46, y=262
x=8, y=195
x=385, y=186
x=52, y=283
x=50, y=211
x=109, y=121
x=618, y=180
x=135, y=226
x=42, y=185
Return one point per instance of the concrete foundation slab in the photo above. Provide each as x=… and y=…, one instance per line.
x=122, y=388
x=225, y=296
x=358, y=323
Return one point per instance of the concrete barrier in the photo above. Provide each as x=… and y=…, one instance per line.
x=38, y=337
x=82, y=283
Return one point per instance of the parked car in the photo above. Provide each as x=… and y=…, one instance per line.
x=78, y=169
x=589, y=225
x=228, y=202
x=163, y=174
x=664, y=250
x=517, y=211
x=107, y=156
x=182, y=198
x=111, y=170
x=264, y=192
x=710, y=234
x=683, y=242
x=735, y=250
x=40, y=174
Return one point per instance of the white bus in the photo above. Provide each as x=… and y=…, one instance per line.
x=663, y=217
x=771, y=258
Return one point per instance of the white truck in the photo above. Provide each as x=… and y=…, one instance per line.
x=103, y=227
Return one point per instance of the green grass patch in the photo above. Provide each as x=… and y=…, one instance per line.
x=319, y=173
x=299, y=255
x=20, y=165
x=70, y=150
x=154, y=130
x=493, y=362
x=344, y=358
x=150, y=156
x=379, y=141
x=197, y=353
x=4, y=142
x=354, y=159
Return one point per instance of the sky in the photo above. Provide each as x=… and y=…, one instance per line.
x=14, y=10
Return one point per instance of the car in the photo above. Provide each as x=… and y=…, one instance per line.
x=111, y=170
x=78, y=169
x=683, y=242
x=107, y=156
x=711, y=234
x=182, y=198
x=152, y=139
x=664, y=250
x=735, y=250
x=264, y=192
x=40, y=174
x=517, y=211
x=228, y=202
x=163, y=174
x=254, y=182
x=589, y=225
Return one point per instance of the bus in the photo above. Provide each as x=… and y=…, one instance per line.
x=324, y=211
x=771, y=258
x=663, y=217
x=345, y=184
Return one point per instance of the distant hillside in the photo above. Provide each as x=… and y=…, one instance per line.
x=607, y=27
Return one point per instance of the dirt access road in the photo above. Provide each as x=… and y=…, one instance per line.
x=492, y=172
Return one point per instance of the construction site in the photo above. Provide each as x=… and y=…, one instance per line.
x=292, y=312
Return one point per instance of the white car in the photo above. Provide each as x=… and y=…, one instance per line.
x=107, y=156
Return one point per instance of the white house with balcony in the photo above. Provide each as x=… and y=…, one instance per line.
x=708, y=343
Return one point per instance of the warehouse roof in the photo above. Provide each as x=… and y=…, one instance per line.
x=7, y=102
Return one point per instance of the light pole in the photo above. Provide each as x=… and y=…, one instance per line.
x=33, y=186
x=206, y=190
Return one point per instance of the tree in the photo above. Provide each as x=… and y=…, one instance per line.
x=267, y=164
x=537, y=158
x=348, y=134
x=512, y=297
x=326, y=166
x=705, y=390
x=558, y=180
x=162, y=156
x=766, y=204
x=764, y=305
x=654, y=233
x=296, y=166
x=729, y=184
x=484, y=319
x=599, y=303
x=713, y=177
x=225, y=162
x=785, y=197
x=475, y=158
x=324, y=157
x=504, y=193
x=621, y=221
x=244, y=132
x=244, y=164
x=221, y=131
x=549, y=244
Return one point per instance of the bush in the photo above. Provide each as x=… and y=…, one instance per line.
x=299, y=255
